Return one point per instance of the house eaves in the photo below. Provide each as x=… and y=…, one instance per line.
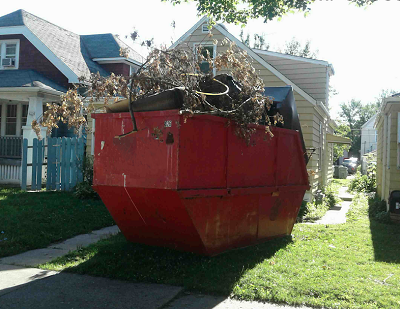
x=189, y=32
x=372, y=119
x=250, y=52
x=58, y=63
x=256, y=57
x=128, y=61
x=395, y=99
x=297, y=58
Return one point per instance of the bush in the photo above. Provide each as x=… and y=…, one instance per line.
x=83, y=190
x=324, y=199
x=377, y=209
x=364, y=183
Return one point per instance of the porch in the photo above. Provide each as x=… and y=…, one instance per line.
x=19, y=106
x=10, y=160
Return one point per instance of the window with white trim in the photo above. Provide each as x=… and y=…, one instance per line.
x=9, y=54
x=204, y=28
x=206, y=49
x=132, y=70
x=11, y=120
x=24, y=118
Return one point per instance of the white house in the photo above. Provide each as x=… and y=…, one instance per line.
x=369, y=136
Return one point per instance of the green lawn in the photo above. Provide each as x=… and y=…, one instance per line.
x=352, y=265
x=31, y=220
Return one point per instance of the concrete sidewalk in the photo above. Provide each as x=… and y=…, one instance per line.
x=337, y=214
x=23, y=286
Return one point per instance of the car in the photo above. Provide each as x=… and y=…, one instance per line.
x=351, y=164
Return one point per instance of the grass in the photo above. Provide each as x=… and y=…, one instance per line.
x=340, y=182
x=352, y=265
x=31, y=220
x=326, y=198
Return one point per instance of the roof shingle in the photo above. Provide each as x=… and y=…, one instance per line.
x=27, y=78
x=74, y=50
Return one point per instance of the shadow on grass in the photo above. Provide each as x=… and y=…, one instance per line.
x=117, y=258
x=385, y=235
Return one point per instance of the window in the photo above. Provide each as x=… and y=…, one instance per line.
x=206, y=49
x=11, y=120
x=24, y=116
x=9, y=54
x=132, y=70
x=204, y=28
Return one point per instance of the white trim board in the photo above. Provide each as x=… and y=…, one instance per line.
x=291, y=57
x=189, y=32
x=58, y=63
x=117, y=60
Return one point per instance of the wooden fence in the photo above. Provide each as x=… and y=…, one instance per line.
x=62, y=159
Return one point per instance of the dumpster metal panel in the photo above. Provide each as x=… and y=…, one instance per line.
x=143, y=159
x=252, y=165
x=202, y=154
x=205, y=190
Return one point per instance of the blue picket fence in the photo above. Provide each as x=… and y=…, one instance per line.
x=62, y=159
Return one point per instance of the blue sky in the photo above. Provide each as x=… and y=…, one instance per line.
x=361, y=43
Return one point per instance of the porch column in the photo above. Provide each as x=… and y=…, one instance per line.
x=35, y=110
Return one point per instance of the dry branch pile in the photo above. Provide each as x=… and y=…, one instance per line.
x=243, y=102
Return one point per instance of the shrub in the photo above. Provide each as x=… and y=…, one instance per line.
x=324, y=199
x=84, y=190
x=364, y=183
x=377, y=209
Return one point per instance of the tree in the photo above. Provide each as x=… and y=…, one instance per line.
x=338, y=149
x=294, y=48
x=259, y=41
x=240, y=11
x=354, y=115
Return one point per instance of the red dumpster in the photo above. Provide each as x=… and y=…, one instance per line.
x=193, y=184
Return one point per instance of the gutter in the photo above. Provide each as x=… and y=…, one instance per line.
x=323, y=108
x=31, y=89
x=117, y=60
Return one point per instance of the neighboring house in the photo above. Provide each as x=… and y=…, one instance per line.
x=39, y=61
x=387, y=124
x=369, y=136
x=309, y=79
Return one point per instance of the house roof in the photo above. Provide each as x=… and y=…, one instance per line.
x=372, y=119
x=73, y=50
x=108, y=46
x=252, y=53
x=292, y=57
x=27, y=78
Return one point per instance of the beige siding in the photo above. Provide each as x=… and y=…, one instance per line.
x=393, y=174
x=391, y=169
x=379, y=154
x=310, y=77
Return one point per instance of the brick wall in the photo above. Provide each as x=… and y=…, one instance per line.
x=30, y=58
